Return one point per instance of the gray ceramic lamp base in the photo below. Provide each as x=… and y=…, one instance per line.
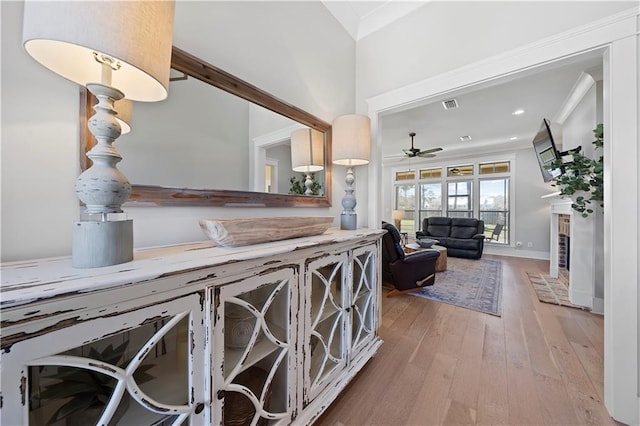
x=97, y=244
x=348, y=221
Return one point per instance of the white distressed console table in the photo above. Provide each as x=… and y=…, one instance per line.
x=191, y=334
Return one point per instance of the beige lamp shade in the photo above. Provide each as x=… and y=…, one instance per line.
x=307, y=150
x=124, y=108
x=351, y=140
x=63, y=36
x=397, y=215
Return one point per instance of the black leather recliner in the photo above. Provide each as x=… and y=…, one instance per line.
x=463, y=237
x=406, y=271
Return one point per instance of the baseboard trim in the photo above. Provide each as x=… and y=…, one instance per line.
x=581, y=299
x=598, y=306
x=514, y=252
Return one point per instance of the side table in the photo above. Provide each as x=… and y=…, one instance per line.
x=441, y=263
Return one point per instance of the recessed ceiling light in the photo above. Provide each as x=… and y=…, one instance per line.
x=518, y=112
x=513, y=138
x=465, y=138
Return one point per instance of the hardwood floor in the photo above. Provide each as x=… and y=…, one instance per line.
x=538, y=364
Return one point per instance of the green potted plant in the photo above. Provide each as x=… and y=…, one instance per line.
x=87, y=392
x=582, y=177
x=297, y=185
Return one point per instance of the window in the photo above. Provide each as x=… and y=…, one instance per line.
x=460, y=170
x=494, y=208
x=430, y=200
x=490, y=168
x=431, y=173
x=459, y=199
x=473, y=190
x=406, y=175
x=406, y=200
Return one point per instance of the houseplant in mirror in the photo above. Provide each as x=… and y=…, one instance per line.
x=583, y=177
x=298, y=185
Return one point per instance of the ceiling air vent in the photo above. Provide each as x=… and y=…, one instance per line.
x=451, y=103
x=465, y=138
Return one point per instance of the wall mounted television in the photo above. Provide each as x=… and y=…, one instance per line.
x=546, y=152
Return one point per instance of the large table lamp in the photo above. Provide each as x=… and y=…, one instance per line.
x=351, y=140
x=115, y=49
x=397, y=216
x=307, y=154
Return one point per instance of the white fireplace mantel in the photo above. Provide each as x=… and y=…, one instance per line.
x=585, y=246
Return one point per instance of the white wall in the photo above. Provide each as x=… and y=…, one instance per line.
x=445, y=35
x=585, y=277
x=296, y=51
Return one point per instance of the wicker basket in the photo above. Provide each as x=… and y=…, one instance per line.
x=239, y=324
x=238, y=409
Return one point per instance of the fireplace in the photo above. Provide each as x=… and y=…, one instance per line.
x=574, y=245
x=564, y=245
x=560, y=253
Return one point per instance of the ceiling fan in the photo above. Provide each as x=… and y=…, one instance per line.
x=416, y=152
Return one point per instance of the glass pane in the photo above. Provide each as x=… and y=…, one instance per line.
x=460, y=170
x=327, y=319
x=498, y=167
x=494, y=209
x=458, y=203
x=431, y=173
x=407, y=224
x=459, y=199
x=406, y=175
x=405, y=197
x=247, y=317
x=459, y=188
x=493, y=194
x=72, y=391
x=431, y=196
x=364, y=269
x=256, y=337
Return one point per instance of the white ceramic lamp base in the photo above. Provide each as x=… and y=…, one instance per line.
x=348, y=221
x=101, y=243
x=348, y=218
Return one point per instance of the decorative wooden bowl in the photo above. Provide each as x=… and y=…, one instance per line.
x=246, y=231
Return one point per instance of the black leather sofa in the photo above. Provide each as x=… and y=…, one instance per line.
x=463, y=237
x=406, y=271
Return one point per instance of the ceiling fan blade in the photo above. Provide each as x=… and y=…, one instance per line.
x=395, y=156
x=424, y=154
x=407, y=151
x=429, y=151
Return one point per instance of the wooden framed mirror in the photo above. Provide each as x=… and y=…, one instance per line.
x=154, y=194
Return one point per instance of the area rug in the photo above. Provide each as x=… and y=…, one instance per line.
x=550, y=290
x=471, y=284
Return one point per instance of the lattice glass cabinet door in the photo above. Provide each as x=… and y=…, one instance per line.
x=363, y=301
x=324, y=337
x=139, y=372
x=255, y=349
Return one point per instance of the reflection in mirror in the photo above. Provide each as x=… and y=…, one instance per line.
x=216, y=141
